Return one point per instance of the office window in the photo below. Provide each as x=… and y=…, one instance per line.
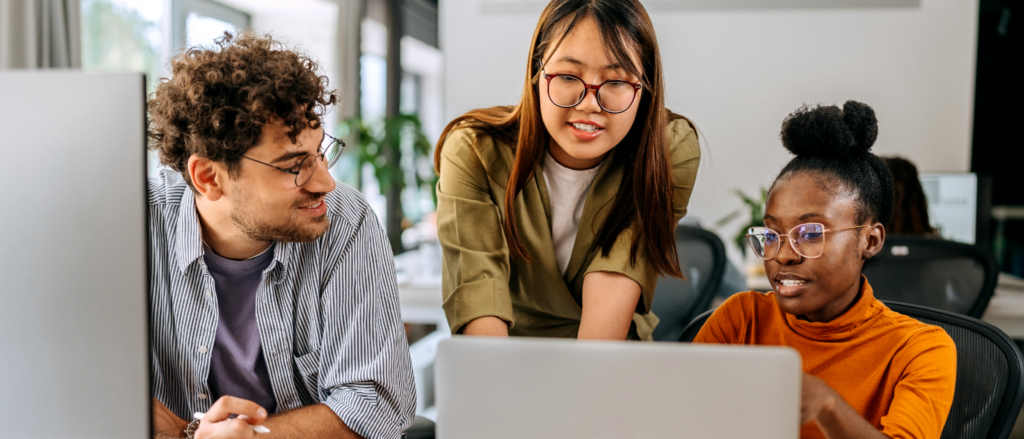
x=126, y=36
x=410, y=94
x=199, y=22
x=373, y=86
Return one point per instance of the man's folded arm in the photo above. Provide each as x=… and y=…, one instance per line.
x=365, y=370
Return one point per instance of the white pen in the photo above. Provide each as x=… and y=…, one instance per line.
x=256, y=428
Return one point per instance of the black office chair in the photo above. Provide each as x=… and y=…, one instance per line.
x=939, y=274
x=989, y=368
x=690, y=331
x=677, y=301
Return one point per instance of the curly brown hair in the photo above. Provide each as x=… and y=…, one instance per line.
x=217, y=101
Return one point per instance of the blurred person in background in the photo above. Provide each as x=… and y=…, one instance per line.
x=556, y=215
x=910, y=207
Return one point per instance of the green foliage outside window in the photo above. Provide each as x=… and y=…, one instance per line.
x=371, y=140
x=119, y=39
x=399, y=152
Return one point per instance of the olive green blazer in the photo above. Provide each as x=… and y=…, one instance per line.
x=534, y=298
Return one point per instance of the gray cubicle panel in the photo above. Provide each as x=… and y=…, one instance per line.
x=73, y=256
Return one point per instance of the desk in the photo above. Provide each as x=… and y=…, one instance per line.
x=1005, y=311
x=419, y=296
x=419, y=287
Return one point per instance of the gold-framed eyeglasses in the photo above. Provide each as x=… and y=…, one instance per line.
x=808, y=240
x=329, y=153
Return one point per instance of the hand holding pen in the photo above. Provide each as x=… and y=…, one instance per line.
x=231, y=417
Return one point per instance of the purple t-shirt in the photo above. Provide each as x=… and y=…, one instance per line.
x=237, y=367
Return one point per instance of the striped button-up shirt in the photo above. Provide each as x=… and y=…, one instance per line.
x=327, y=312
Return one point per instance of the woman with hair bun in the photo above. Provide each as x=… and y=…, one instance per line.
x=868, y=371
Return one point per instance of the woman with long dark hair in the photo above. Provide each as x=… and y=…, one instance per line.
x=910, y=205
x=556, y=215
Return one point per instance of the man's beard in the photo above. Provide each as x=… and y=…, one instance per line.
x=251, y=217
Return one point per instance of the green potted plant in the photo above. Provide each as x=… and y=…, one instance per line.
x=399, y=152
x=754, y=207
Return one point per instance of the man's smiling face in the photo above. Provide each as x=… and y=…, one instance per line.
x=266, y=204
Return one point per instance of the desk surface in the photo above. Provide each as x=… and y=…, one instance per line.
x=419, y=288
x=1006, y=309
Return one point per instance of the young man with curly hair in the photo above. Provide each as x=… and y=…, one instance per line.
x=273, y=291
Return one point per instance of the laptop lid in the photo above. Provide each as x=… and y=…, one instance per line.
x=546, y=388
x=73, y=259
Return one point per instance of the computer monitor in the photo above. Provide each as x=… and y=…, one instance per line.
x=546, y=388
x=74, y=332
x=952, y=204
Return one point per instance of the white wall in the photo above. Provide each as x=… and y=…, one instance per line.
x=738, y=71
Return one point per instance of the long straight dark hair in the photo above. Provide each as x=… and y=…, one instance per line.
x=646, y=187
x=910, y=206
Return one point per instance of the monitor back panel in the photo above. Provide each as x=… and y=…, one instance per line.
x=531, y=388
x=73, y=257
x=952, y=204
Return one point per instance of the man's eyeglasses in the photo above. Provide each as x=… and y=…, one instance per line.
x=305, y=169
x=567, y=91
x=808, y=240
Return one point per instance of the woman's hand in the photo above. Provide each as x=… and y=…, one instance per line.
x=609, y=300
x=820, y=403
x=816, y=397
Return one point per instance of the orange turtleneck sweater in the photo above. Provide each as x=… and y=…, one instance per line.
x=897, y=372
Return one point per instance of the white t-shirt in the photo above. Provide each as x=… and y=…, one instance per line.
x=567, y=190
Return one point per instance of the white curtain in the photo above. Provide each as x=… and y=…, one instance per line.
x=350, y=17
x=40, y=34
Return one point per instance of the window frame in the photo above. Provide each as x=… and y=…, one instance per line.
x=180, y=10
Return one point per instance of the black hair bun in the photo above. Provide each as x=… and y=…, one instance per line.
x=861, y=120
x=827, y=131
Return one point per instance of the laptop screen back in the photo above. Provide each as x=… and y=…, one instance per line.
x=519, y=388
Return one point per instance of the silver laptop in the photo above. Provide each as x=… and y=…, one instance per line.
x=73, y=261
x=541, y=388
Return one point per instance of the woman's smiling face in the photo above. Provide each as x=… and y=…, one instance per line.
x=583, y=135
x=818, y=289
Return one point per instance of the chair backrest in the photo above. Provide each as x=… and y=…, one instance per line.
x=989, y=368
x=677, y=301
x=945, y=275
x=691, y=330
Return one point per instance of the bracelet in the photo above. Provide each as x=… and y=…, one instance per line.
x=190, y=431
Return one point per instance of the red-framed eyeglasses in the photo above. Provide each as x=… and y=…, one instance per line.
x=567, y=91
